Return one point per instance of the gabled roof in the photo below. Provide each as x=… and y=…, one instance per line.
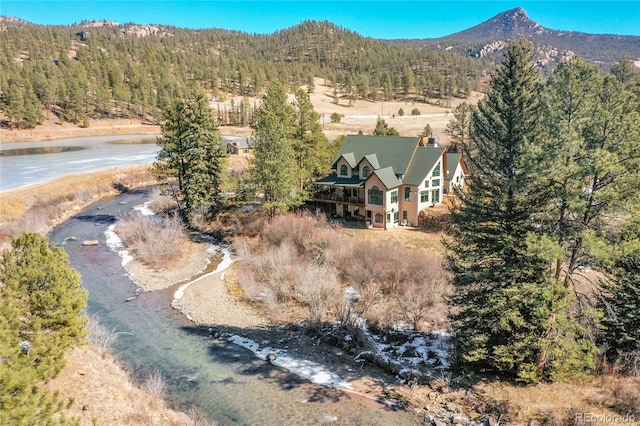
x=423, y=161
x=387, y=177
x=349, y=158
x=238, y=141
x=373, y=160
x=352, y=182
x=391, y=151
x=453, y=159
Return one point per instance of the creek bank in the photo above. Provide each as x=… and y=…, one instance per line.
x=205, y=301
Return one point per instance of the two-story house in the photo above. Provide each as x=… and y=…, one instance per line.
x=384, y=180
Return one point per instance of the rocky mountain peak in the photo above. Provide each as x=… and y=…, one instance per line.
x=513, y=23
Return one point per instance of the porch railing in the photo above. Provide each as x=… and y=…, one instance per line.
x=325, y=196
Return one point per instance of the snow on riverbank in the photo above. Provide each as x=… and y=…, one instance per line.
x=226, y=262
x=309, y=370
x=115, y=244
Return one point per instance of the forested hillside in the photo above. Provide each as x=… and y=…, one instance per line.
x=108, y=70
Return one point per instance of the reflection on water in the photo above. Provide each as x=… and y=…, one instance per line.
x=134, y=141
x=40, y=150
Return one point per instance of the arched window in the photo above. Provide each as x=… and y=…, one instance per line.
x=343, y=170
x=379, y=217
x=365, y=171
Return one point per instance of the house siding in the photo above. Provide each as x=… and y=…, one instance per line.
x=375, y=208
x=339, y=165
x=411, y=207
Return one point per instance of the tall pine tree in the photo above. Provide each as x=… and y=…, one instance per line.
x=274, y=167
x=507, y=309
x=312, y=148
x=193, y=153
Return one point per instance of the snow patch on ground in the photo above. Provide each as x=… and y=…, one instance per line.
x=115, y=244
x=144, y=209
x=309, y=370
x=226, y=262
x=417, y=350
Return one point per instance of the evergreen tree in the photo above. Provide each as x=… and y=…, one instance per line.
x=383, y=129
x=509, y=315
x=192, y=151
x=311, y=145
x=627, y=73
x=41, y=301
x=593, y=128
x=622, y=317
x=274, y=167
x=459, y=127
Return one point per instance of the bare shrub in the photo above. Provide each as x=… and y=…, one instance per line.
x=623, y=393
x=252, y=289
x=160, y=202
x=328, y=247
x=98, y=335
x=300, y=260
x=294, y=228
x=249, y=223
x=276, y=268
x=317, y=287
x=423, y=299
x=198, y=417
x=155, y=241
x=155, y=385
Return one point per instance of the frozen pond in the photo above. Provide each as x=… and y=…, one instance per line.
x=25, y=163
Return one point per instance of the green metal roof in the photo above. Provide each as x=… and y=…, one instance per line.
x=350, y=159
x=423, y=161
x=391, y=151
x=352, y=182
x=388, y=177
x=452, y=162
x=373, y=160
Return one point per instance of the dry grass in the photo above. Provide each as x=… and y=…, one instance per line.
x=559, y=403
x=104, y=394
x=40, y=207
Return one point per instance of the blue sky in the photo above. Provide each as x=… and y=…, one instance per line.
x=378, y=19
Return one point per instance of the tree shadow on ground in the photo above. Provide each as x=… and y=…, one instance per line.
x=298, y=345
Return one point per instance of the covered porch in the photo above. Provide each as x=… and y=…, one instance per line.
x=341, y=197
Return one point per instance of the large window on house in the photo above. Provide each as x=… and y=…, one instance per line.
x=379, y=217
x=394, y=196
x=343, y=170
x=395, y=217
x=375, y=196
x=366, y=171
x=435, y=196
x=424, y=196
x=436, y=170
x=435, y=182
x=407, y=194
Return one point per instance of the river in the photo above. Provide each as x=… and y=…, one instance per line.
x=222, y=380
